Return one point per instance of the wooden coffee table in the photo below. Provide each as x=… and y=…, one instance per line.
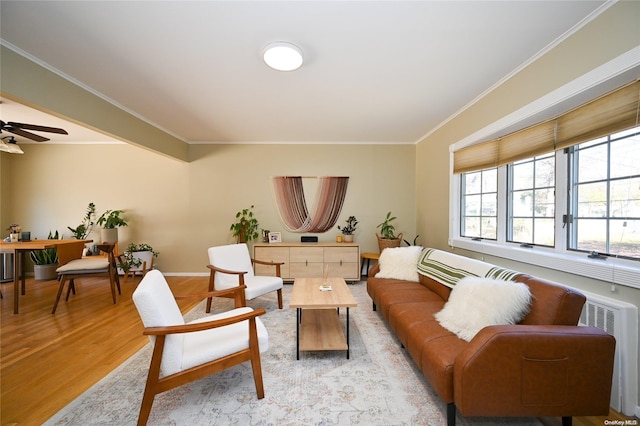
x=318, y=325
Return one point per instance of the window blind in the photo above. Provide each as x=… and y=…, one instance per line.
x=616, y=111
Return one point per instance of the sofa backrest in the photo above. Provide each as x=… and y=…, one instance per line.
x=552, y=303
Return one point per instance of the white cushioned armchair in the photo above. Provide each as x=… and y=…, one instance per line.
x=184, y=352
x=231, y=266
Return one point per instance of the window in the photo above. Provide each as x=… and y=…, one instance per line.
x=605, y=195
x=532, y=201
x=567, y=186
x=555, y=210
x=479, y=204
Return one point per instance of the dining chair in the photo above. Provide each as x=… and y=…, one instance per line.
x=232, y=266
x=73, y=266
x=184, y=352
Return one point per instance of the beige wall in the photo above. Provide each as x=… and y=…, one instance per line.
x=183, y=208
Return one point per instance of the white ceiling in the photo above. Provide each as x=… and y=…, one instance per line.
x=374, y=71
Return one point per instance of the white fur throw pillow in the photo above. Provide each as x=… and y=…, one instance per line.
x=400, y=263
x=475, y=303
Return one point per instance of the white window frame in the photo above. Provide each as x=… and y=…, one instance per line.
x=613, y=270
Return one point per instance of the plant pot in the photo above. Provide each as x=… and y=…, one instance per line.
x=347, y=238
x=14, y=238
x=147, y=262
x=45, y=272
x=109, y=235
x=384, y=243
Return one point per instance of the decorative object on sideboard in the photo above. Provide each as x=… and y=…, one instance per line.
x=349, y=229
x=110, y=221
x=275, y=237
x=246, y=228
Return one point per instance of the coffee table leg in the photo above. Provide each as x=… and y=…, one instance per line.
x=298, y=319
x=347, y=332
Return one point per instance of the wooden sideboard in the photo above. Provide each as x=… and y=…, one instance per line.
x=308, y=260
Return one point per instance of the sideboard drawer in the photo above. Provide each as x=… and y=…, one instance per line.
x=341, y=254
x=306, y=270
x=271, y=254
x=306, y=254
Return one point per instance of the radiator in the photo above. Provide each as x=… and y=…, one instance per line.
x=620, y=319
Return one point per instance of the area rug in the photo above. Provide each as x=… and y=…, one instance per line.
x=378, y=385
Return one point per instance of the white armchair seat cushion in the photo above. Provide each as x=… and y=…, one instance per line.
x=204, y=346
x=256, y=285
x=85, y=265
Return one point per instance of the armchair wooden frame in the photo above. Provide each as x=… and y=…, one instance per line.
x=156, y=385
x=241, y=275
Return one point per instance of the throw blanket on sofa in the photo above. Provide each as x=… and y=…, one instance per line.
x=448, y=268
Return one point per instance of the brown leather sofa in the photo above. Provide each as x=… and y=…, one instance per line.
x=545, y=366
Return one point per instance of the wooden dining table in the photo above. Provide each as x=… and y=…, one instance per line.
x=20, y=249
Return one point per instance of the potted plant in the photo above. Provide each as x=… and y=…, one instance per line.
x=45, y=262
x=387, y=237
x=14, y=232
x=110, y=222
x=137, y=258
x=81, y=231
x=349, y=229
x=246, y=228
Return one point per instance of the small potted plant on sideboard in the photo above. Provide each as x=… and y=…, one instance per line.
x=349, y=229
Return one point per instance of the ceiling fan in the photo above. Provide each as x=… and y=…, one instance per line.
x=20, y=129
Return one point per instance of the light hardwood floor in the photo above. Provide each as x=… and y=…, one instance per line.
x=48, y=360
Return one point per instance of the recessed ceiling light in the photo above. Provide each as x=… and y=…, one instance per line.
x=283, y=56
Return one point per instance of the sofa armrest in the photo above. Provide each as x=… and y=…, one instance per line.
x=374, y=270
x=535, y=370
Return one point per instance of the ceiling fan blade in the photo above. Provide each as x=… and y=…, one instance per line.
x=38, y=128
x=25, y=134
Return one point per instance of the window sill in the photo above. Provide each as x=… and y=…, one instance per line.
x=612, y=270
